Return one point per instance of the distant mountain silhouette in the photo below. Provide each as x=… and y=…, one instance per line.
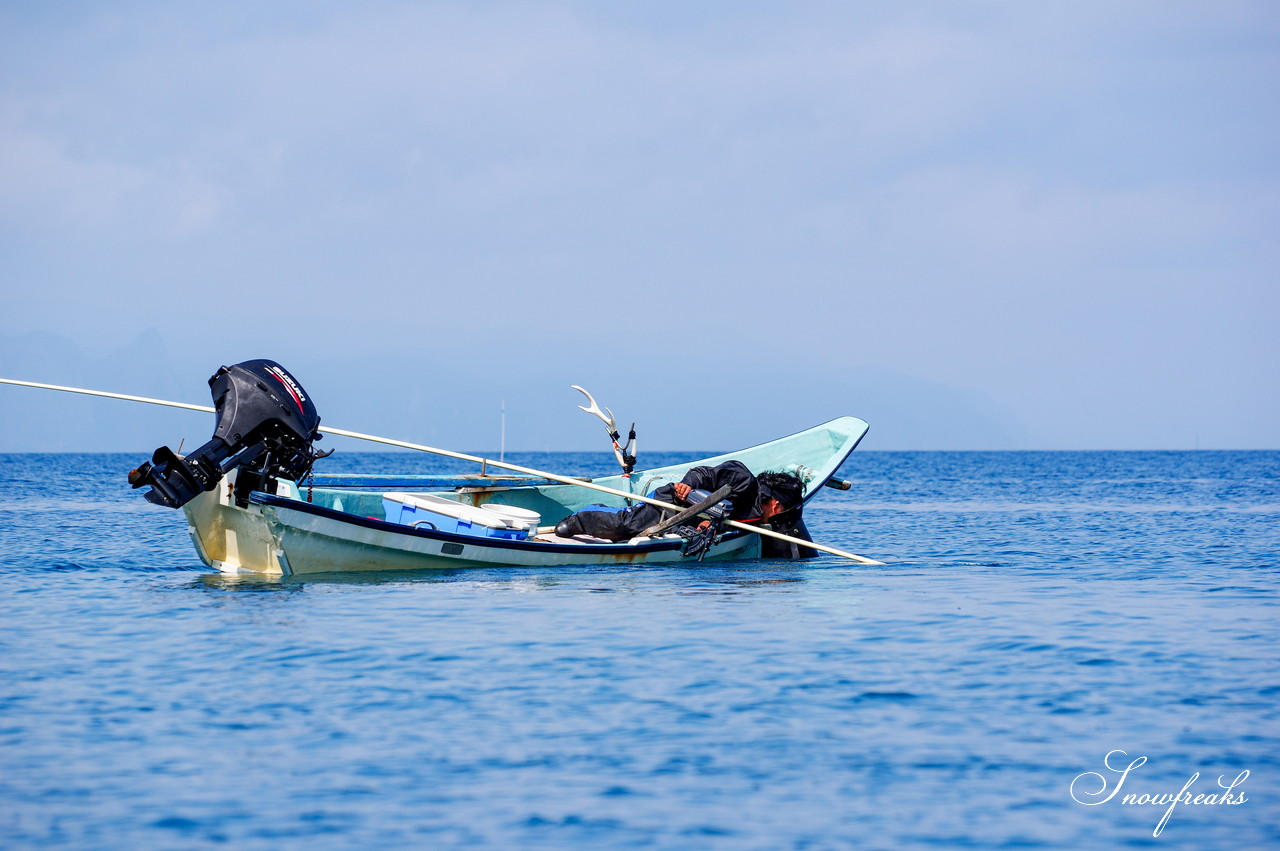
x=452, y=399
x=44, y=421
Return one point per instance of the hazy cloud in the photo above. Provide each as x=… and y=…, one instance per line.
x=1041, y=204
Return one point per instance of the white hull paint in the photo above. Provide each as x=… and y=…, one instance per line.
x=279, y=540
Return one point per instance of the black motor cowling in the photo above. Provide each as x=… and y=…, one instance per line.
x=265, y=425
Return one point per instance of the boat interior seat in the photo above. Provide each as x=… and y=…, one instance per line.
x=553, y=538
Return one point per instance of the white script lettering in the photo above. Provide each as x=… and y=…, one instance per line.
x=1171, y=800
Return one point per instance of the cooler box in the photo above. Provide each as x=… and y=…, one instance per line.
x=428, y=511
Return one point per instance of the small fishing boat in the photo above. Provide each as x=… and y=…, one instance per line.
x=361, y=522
x=254, y=503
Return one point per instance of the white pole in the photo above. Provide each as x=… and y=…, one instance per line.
x=146, y=399
x=340, y=432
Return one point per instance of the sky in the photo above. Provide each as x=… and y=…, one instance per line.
x=989, y=225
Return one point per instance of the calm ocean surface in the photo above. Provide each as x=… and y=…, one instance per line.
x=1038, y=610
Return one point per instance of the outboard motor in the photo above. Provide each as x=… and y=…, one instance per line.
x=265, y=425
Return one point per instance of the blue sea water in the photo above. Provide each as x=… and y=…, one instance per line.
x=1036, y=612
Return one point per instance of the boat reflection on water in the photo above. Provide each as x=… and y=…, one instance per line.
x=720, y=578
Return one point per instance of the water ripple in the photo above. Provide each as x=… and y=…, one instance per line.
x=1038, y=610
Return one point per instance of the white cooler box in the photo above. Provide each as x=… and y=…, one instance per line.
x=428, y=511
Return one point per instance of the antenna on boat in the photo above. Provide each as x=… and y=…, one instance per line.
x=502, y=441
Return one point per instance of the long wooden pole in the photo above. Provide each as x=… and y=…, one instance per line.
x=341, y=432
x=81, y=390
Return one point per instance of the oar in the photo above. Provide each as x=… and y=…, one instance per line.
x=529, y=471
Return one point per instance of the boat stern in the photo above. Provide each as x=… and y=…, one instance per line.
x=232, y=539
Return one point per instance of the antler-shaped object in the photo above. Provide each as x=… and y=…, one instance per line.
x=626, y=457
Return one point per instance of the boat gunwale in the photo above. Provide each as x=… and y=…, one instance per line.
x=530, y=545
